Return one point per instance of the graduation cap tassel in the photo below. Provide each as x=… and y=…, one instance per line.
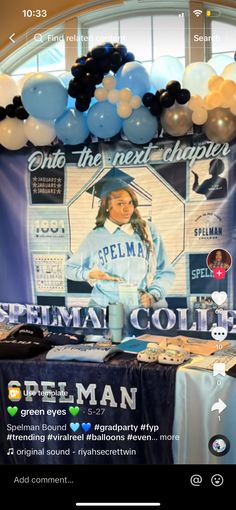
x=93, y=195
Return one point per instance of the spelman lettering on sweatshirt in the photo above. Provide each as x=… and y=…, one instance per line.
x=121, y=250
x=86, y=158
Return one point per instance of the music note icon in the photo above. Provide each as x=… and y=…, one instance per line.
x=10, y=451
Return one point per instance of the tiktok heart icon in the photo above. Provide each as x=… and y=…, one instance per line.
x=219, y=297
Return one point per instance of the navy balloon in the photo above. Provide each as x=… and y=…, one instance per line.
x=141, y=126
x=103, y=120
x=44, y=96
x=134, y=76
x=71, y=127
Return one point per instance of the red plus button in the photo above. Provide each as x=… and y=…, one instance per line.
x=219, y=273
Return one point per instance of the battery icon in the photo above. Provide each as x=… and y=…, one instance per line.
x=212, y=14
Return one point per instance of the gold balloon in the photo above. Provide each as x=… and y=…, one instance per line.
x=220, y=126
x=177, y=120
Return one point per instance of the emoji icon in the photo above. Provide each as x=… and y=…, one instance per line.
x=219, y=406
x=219, y=445
x=219, y=333
x=12, y=410
x=74, y=426
x=196, y=480
x=219, y=273
x=10, y=451
x=74, y=410
x=219, y=368
x=86, y=426
x=217, y=480
x=219, y=297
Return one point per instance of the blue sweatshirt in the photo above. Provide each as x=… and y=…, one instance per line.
x=119, y=251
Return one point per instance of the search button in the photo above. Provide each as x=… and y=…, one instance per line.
x=38, y=37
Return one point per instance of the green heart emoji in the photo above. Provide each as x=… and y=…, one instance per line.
x=74, y=410
x=12, y=410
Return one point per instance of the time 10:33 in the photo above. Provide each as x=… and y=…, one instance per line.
x=38, y=13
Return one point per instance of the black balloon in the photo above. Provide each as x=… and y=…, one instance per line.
x=98, y=77
x=98, y=52
x=155, y=108
x=104, y=65
x=173, y=87
x=88, y=80
x=21, y=113
x=82, y=60
x=148, y=99
x=83, y=99
x=17, y=101
x=121, y=48
x=2, y=113
x=109, y=47
x=161, y=91
x=116, y=58
x=166, y=100
x=10, y=110
x=81, y=107
x=183, y=96
x=78, y=71
x=129, y=57
x=73, y=88
x=90, y=65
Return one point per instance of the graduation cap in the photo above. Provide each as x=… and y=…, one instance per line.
x=113, y=180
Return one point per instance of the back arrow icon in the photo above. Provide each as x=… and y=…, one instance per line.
x=11, y=37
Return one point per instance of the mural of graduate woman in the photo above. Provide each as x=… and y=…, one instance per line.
x=123, y=257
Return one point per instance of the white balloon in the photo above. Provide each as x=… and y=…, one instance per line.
x=124, y=109
x=100, y=94
x=39, y=132
x=219, y=62
x=23, y=79
x=12, y=134
x=196, y=77
x=164, y=69
x=229, y=72
x=8, y=89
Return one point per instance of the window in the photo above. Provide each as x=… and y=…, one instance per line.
x=50, y=59
x=224, y=38
x=148, y=37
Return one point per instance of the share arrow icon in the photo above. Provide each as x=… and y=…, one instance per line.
x=219, y=406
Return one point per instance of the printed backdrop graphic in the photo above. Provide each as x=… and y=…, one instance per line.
x=48, y=206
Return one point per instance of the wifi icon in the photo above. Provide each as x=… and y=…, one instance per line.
x=197, y=12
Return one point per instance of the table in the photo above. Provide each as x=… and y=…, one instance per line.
x=122, y=394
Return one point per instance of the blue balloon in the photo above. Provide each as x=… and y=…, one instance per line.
x=44, y=96
x=133, y=76
x=71, y=127
x=103, y=120
x=66, y=77
x=141, y=126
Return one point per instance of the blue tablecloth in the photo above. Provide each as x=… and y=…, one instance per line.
x=121, y=392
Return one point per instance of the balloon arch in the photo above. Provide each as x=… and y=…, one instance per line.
x=108, y=92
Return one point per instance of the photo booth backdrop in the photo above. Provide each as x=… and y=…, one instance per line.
x=46, y=214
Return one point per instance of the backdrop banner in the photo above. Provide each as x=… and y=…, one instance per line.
x=51, y=200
